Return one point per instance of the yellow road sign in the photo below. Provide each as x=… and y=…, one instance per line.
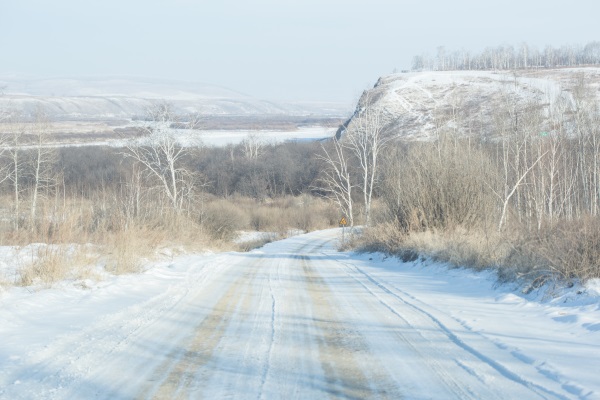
x=343, y=221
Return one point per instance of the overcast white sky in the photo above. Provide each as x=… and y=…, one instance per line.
x=272, y=49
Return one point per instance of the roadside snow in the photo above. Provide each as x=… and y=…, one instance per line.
x=254, y=236
x=297, y=318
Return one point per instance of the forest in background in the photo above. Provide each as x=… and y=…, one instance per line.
x=508, y=57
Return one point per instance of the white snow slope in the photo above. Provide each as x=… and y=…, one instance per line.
x=124, y=97
x=420, y=104
x=297, y=319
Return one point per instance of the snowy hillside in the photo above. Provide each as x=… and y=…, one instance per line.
x=126, y=97
x=418, y=104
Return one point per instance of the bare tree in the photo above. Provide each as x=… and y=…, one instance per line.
x=336, y=179
x=506, y=57
x=15, y=131
x=4, y=140
x=161, y=156
x=252, y=146
x=41, y=162
x=366, y=137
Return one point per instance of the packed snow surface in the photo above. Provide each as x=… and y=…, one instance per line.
x=298, y=319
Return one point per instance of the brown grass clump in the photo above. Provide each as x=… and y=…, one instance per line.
x=563, y=252
x=254, y=244
x=468, y=248
x=384, y=237
x=125, y=250
x=49, y=265
x=568, y=249
x=222, y=219
x=54, y=263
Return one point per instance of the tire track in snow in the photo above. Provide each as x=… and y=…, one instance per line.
x=74, y=358
x=177, y=373
x=411, y=339
x=292, y=365
x=265, y=374
x=540, y=391
x=343, y=353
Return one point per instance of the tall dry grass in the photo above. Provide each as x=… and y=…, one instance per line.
x=48, y=264
x=444, y=200
x=568, y=250
x=126, y=239
x=563, y=252
x=279, y=215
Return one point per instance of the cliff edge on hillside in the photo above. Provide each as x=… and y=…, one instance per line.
x=422, y=105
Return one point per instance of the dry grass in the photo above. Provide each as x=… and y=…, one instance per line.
x=257, y=243
x=125, y=250
x=279, y=215
x=445, y=200
x=567, y=250
x=469, y=248
x=50, y=264
x=125, y=240
x=562, y=252
x=222, y=219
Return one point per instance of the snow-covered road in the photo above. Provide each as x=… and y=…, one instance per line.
x=296, y=319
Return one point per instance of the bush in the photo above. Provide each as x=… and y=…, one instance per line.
x=53, y=263
x=222, y=219
x=568, y=249
x=126, y=248
x=427, y=186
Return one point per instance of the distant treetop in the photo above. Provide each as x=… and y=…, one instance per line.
x=507, y=57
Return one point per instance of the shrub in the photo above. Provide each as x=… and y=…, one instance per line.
x=53, y=263
x=568, y=249
x=126, y=248
x=222, y=219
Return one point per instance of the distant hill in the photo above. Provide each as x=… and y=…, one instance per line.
x=108, y=98
x=418, y=105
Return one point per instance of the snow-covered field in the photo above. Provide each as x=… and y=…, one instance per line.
x=224, y=137
x=215, y=138
x=297, y=319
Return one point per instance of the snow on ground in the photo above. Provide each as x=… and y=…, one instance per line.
x=123, y=97
x=254, y=236
x=298, y=319
x=218, y=138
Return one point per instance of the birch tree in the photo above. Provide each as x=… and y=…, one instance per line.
x=366, y=138
x=4, y=117
x=13, y=138
x=161, y=156
x=252, y=146
x=41, y=163
x=336, y=180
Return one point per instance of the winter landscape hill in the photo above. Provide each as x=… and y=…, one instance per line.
x=104, y=111
x=110, y=98
x=419, y=105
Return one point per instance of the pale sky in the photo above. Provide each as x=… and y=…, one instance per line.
x=318, y=50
